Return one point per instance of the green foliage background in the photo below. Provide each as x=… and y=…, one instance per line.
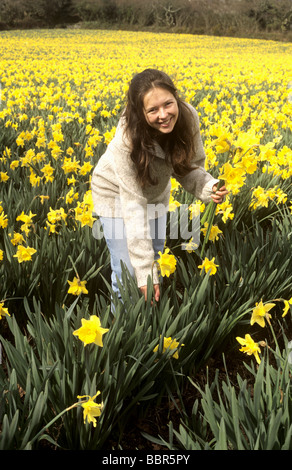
x=247, y=18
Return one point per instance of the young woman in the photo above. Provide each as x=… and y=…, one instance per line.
x=157, y=138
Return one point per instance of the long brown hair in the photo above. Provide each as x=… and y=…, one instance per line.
x=180, y=142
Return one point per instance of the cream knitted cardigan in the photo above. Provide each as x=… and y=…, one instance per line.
x=117, y=193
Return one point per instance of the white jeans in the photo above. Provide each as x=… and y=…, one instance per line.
x=114, y=233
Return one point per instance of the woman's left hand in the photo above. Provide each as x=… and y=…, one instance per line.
x=218, y=195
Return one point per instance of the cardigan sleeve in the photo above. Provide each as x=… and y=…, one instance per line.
x=198, y=181
x=134, y=212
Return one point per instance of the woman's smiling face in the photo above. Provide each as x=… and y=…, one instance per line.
x=160, y=109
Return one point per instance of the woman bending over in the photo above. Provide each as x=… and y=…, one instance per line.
x=157, y=138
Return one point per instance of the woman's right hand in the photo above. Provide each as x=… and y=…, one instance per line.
x=156, y=288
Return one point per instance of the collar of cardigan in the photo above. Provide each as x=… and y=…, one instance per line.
x=159, y=152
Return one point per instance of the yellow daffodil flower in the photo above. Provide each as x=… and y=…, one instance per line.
x=175, y=185
x=27, y=219
x=85, y=168
x=173, y=204
x=3, y=177
x=43, y=198
x=209, y=266
x=166, y=262
x=84, y=215
x=17, y=239
x=260, y=313
x=226, y=210
x=233, y=176
x=14, y=164
x=190, y=246
x=250, y=347
x=48, y=171
x=91, y=331
x=57, y=215
x=3, y=311
x=196, y=209
x=70, y=165
x=71, y=196
x=24, y=253
x=91, y=410
x=214, y=232
x=3, y=220
x=287, y=304
x=169, y=344
x=77, y=287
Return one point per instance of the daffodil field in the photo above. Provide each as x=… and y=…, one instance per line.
x=74, y=370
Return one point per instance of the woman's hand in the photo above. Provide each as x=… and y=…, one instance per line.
x=218, y=196
x=156, y=288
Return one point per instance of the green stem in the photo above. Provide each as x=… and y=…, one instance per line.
x=275, y=339
x=52, y=422
x=208, y=216
x=206, y=213
x=74, y=267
